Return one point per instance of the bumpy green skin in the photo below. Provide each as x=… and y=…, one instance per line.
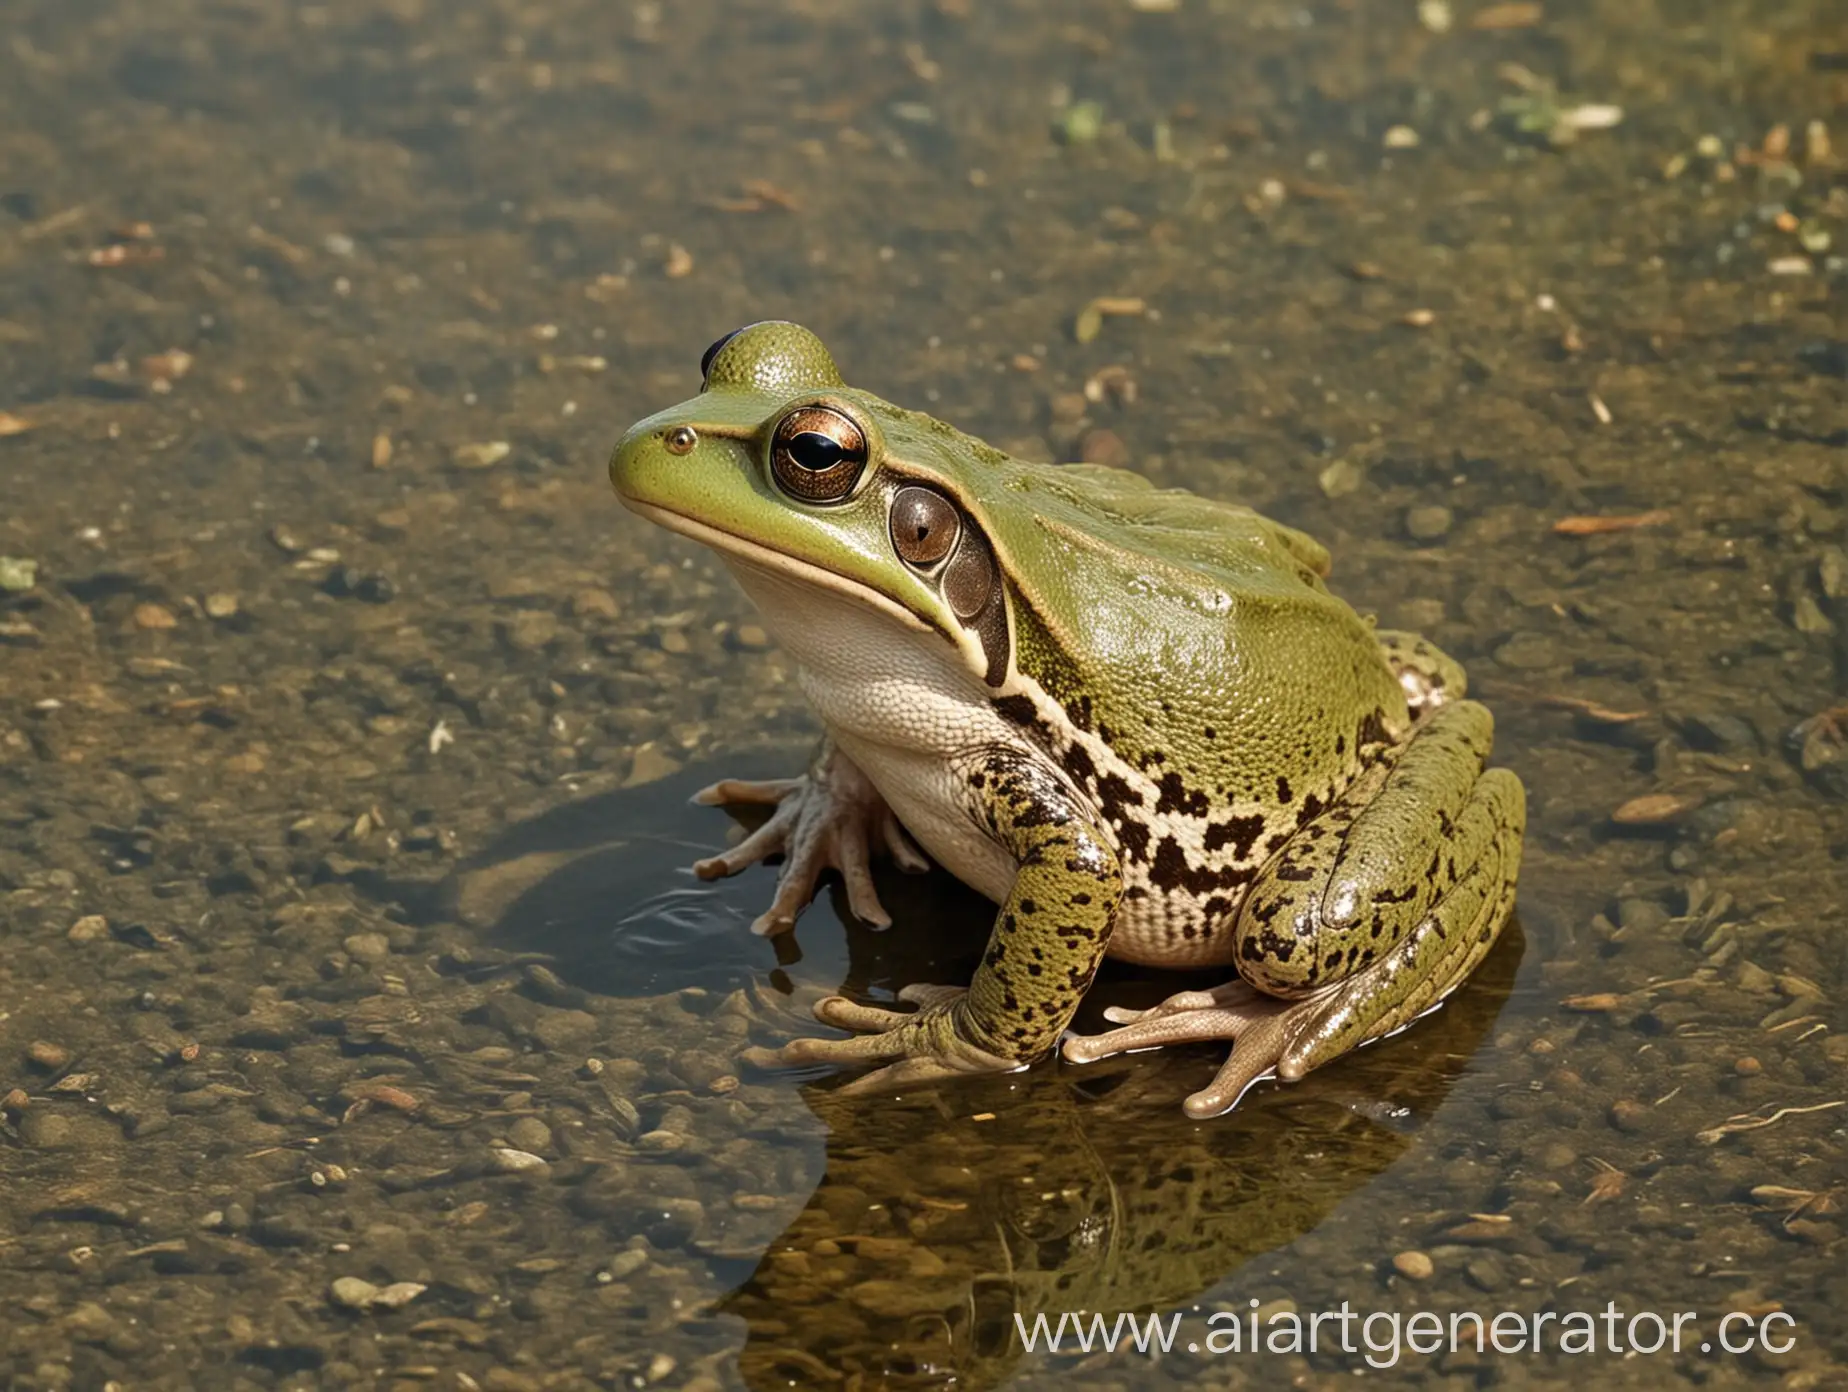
x=1199, y=754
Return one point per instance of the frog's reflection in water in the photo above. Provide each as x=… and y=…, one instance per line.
x=947, y=1216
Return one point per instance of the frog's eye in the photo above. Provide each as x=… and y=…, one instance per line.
x=817, y=454
x=924, y=526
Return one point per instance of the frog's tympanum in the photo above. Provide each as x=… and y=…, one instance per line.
x=1134, y=718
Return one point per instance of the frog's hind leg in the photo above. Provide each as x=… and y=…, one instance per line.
x=1367, y=919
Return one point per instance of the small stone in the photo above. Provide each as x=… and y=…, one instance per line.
x=1400, y=138
x=510, y=1161
x=1627, y=1114
x=154, y=616
x=397, y=1295
x=592, y=603
x=1414, y=1265
x=220, y=604
x=42, y=1053
x=1428, y=523
x=659, y=1142
x=1106, y=447
x=1341, y=478
x=88, y=929
x=1807, y=616
x=675, y=641
x=370, y=948
x=530, y=630
x=43, y=1130
x=351, y=1293
x=751, y=636
x=1748, y=1067
x=17, y=574
x=530, y=1134
x=625, y=1264
x=483, y=454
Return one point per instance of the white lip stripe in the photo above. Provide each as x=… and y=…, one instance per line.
x=763, y=556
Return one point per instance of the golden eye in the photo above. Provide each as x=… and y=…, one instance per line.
x=817, y=454
x=924, y=526
x=681, y=439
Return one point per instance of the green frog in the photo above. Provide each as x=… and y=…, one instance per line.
x=1134, y=718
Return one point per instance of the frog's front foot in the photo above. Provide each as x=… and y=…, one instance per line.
x=827, y=819
x=929, y=1043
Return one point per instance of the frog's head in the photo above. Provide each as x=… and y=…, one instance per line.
x=781, y=467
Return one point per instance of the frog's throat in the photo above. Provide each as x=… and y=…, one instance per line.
x=778, y=562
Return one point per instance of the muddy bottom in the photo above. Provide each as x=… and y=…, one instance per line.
x=360, y=1025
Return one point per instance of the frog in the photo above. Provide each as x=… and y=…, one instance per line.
x=1136, y=719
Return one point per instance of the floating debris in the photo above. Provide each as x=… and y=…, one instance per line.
x=1592, y=710
x=483, y=454
x=1090, y=321
x=1598, y=526
x=1509, y=16
x=1713, y=1135
x=17, y=574
x=1656, y=809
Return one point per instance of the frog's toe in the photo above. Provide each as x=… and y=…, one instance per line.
x=917, y=1045
x=735, y=792
x=851, y=1015
x=899, y=845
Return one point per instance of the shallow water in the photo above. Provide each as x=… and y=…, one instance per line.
x=347, y=721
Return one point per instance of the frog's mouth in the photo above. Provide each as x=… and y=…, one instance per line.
x=761, y=557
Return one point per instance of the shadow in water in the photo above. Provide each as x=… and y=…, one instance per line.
x=946, y=1212
x=943, y=1216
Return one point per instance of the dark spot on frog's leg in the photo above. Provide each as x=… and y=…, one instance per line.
x=1115, y=796
x=1313, y=807
x=1340, y=744
x=1080, y=899
x=1209, y=733
x=1027, y=906
x=1079, y=765
x=1284, y=793
x=1035, y=969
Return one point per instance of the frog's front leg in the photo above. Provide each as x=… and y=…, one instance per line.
x=827, y=819
x=1047, y=943
x=1369, y=917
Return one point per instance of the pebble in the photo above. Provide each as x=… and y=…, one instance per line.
x=751, y=636
x=1627, y=1114
x=510, y=1161
x=675, y=641
x=154, y=616
x=530, y=1134
x=625, y=1264
x=1414, y=1265
x=592, y=603
x=370, y=948
x=1748, y=1067
x=659, y=1142
x=530, y=630
x=43, y=1130
x=42, y=1053
x=351, y=1293
x=1428, y=523
x=220, y=604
